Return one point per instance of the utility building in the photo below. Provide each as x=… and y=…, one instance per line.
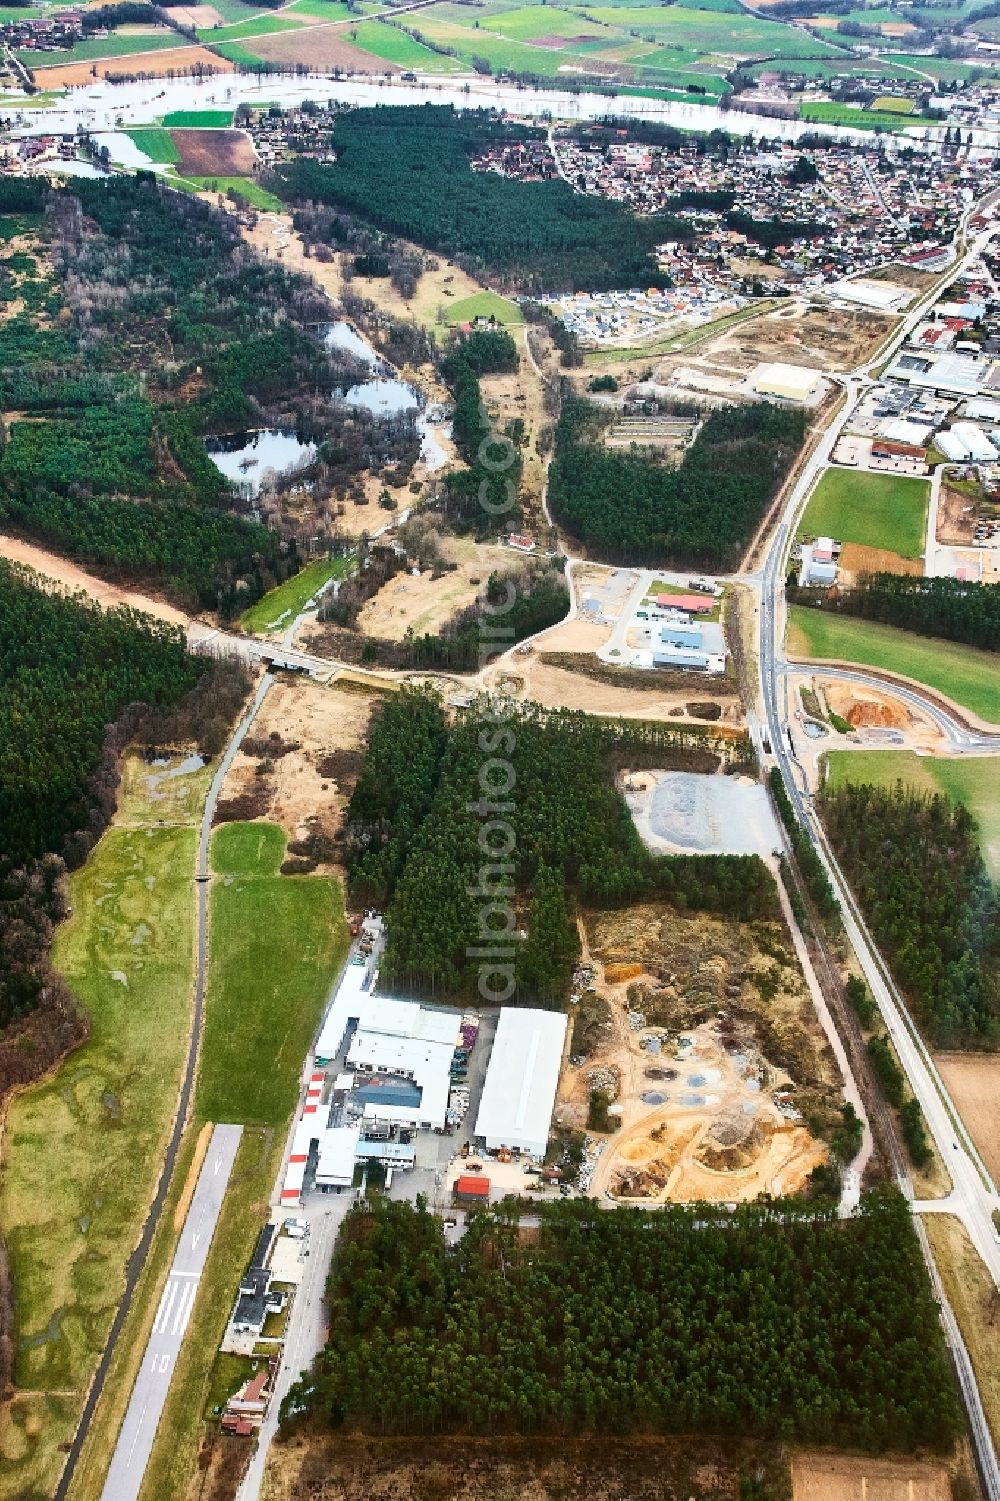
x=521, y=1081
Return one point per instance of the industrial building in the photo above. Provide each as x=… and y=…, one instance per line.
x=521, y=1081
x=789, y=382
x=953, y=374
x=963, y=443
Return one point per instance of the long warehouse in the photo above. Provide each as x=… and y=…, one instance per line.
x=520, y=1088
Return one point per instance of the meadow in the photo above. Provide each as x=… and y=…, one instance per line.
x=823, y=113
x=82, y=1149
x=276, y=945
x=91, y=48
x=484, y=305
x=396, y=46
x=873, y=510
x=156, y=142
x=260, y=26
x=281, y=605
x=960, y=673
x=199, y=119
x=972, y=780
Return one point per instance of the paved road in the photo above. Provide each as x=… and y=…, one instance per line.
x=962, y=740
x=306, y=1331
x=974, y=1196
x=135, y=1441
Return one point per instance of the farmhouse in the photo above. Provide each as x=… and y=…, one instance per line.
x=520, y=1088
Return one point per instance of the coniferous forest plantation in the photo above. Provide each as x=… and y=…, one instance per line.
x=775, y=1320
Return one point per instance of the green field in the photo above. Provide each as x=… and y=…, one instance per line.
x=156, y=142
x=82, y=1149
x=822, y=113
x=732, y=35
x=940, y=67
x=325, y=10
x=240, y=187
x=92, y=48
x=888, y=103
x=972, y=780
x=484, y=305
x=398, y=47
x=874, y=510
x=280, y=606
x=199, y=119
x=261, y=26
x=819, y=68
x=961, y=673
x=276, y=944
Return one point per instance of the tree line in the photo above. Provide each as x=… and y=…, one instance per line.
x=775, y=1321
x=951, y=609
x=412, y=838
x=915, y=867
x=408, y=171
x=628, y=506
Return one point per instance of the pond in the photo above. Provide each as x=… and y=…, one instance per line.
x=384, y=398
x=813, y=729
x=245, y=458
x=342, y=335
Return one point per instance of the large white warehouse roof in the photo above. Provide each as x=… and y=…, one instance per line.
x=521, y=1081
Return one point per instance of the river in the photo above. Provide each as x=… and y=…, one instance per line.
x=103, y=106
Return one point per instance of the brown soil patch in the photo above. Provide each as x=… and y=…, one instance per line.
x=855, y=559
x=973, y=1081
x=555, y=687
x=320, y=48
x=178, y=60
x=827, y=339
x=187, y=1192
x=61, y=571
x=307, y=789
x=957, y=516
x=835, y=1477
x=338, y=1467
x=739, y=1042
x=583, y=636
x=194, y=15
x=864, y=707
x=204, y=153
x=423, y=604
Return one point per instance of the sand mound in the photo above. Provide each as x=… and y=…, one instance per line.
x=731, y=1142
x=864, y=710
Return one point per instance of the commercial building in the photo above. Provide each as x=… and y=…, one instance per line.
x=521, y=1081
x=789, y=382
x=964, y=443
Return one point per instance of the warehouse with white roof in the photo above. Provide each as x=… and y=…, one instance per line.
x=519, y=1092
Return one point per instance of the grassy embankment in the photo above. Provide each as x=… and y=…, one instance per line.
x=82, y=1149
x=281, y=605
x=975, y=1304
x=276, y=945
x=972, y=780
x=873, y=510
x=961, y=673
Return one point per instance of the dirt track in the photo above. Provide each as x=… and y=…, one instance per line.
x=61, y=571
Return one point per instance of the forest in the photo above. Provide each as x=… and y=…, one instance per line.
x=951, y=609
x=811, y=866
x=487, y=488
x=409, y=171
x=154, y=327
x=67, y=671
x=628, y=506
x=915, y=867
x=777, y=1320
x=413, y=826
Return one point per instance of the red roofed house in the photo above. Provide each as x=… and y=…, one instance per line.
x=692, y=602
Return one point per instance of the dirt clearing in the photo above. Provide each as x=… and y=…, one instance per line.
x=204, y=153
x=319, y=48
x=864, y=707
x=198, y=16
x=827, y=338
x=712, y=1054
x=855, y=559
x=973, y=1081
x=175, y=60
x=61, y=571
x=346, y=1468
x=423, y=604
x=835, y=1477
x=299, y=766
x=556, y=687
